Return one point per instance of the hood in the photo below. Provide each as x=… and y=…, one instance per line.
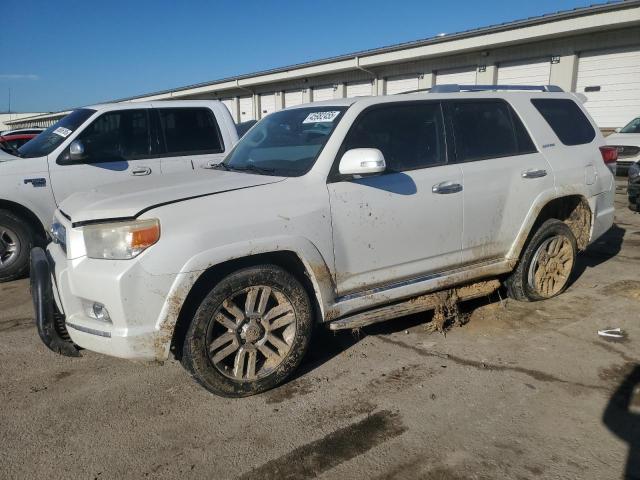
x=133, y=197
x=632, y=139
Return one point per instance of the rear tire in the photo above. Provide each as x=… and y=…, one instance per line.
x=546, y=264
x=249, y=333
x=16, y=240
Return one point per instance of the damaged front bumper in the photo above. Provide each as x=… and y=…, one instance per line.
x=49, y=320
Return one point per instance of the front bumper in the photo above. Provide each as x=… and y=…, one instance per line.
x=141, y=312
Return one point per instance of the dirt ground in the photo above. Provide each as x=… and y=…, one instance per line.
x=523, y=391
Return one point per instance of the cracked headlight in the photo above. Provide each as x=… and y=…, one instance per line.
x=120, y=240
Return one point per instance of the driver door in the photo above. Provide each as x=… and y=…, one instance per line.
x=117, y=147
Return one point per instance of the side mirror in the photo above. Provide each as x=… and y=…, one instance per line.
x=76, y=151
x=362, y=161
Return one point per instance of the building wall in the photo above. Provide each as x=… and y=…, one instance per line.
x=5, y=117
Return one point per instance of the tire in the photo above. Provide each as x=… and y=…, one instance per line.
x=16, y=240
x=249, y=333
x=546, y=264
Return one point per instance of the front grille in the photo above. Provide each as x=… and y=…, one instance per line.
x=625, y=151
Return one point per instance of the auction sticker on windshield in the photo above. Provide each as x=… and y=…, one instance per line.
x=317, y=117
x=63, y=132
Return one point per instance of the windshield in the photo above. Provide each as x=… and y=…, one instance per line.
x=632, y=127
x=285, y=143
x=52, y=137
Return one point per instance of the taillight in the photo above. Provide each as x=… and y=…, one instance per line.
x=609, y=154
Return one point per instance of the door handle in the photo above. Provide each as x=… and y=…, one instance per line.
x=446, y=187
x=532, y=173
x=140, y=171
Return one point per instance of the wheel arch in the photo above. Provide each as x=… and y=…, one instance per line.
x=27, y=214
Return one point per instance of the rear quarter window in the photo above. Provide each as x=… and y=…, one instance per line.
x=566, y=119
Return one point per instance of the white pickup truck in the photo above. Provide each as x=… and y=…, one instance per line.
x=97, y=145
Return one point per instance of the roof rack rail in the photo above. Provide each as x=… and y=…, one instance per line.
x=451, y=88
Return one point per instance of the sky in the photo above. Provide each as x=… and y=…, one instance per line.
x=68, y=53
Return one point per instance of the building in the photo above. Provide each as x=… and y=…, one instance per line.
x=593, y=50
x=8, y=117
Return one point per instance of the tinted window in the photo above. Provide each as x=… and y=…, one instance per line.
x=52, y=137
x=120, y=135
x=190, y=131
x=488, y=129
x=410, y=136
x=632, y=127
x=566, y=119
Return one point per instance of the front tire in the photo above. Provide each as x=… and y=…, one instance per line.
x=546, y=264
x=16, y=240
x=249, y=333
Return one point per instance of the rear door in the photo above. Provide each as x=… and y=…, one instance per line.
x=117, y=146
x=503, y=175
x=190, y=138
x=406, y=222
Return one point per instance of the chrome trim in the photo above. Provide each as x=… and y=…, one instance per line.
x=423, y=278
x=88, y=330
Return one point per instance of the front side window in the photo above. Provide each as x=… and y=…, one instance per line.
x=115, y=136
x=487, y=129
x=410, y=136
x=285, y=143
x=566, y=119
x=189, y=131
x=632, y=127
x=50, y=139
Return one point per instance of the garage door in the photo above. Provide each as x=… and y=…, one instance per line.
x=360, y=89
x=231, y=106
x=246, y=109
x=611, y=82
x=267, y=104
x=323, y=93
x=400, y=84
x=292, y=97
x=533, y=72
x=459, y=76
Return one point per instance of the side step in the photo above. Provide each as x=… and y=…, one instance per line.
x=415, y=305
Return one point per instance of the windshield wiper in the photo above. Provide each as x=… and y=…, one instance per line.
x=221, y=166
x=253, y=168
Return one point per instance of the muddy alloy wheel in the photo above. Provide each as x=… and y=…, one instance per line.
x=252, y=333
x=249, y=333
x=551, y=266
x=545, y=264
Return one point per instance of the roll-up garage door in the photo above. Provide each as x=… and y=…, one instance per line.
x=323, y=93
x=267, y=104
x=459, y=76
x=246, y=109
x=360, y=89
x=292, y=97
x=611, y=81
x=400, y=84
x=230, y=103
x=532, y=72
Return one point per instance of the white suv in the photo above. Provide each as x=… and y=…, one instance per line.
x=97, y=145
x=344, y=213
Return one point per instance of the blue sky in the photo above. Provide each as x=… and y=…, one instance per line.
x=63, y=53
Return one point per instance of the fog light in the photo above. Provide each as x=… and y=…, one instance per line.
x=97, y=310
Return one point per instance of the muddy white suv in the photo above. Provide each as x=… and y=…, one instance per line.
x=97, y=145
x=343, y=213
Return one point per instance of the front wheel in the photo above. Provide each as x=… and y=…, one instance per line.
x=250, y=332
x=545, y=266
x=16, y=240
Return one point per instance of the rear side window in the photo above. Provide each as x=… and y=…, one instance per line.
x=189, y=131
x=487, y=129
x=566, y=119
x=410, y=136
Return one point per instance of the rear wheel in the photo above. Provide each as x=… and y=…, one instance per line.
x=546, y=264
x=249, y=333
x=16, y=240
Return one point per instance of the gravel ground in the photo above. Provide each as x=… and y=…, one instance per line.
x=523, y=391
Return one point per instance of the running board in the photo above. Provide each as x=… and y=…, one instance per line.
x=415, y=305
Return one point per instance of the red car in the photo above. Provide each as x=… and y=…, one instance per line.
x=10, y=143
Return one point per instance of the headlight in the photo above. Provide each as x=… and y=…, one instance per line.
x=634, y=171
x=120, y=240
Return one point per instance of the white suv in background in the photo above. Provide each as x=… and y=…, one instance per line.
x=345, y=213
x=97, y=145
